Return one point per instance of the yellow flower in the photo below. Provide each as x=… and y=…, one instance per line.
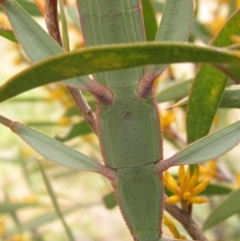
x=173, y=229
x=237, y=182
x=17, y=237
x=25, y=199
x=167, y=118
x=208, y=170
x=60, y=94
x=2, y=226
x=216, y=25
x=64, y=121
x=56, y=94
x=223, y=1
x=185, y=192
x=237, y=4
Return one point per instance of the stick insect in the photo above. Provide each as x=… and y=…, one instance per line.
x=127, y=115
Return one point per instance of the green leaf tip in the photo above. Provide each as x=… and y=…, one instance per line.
x=209, y=147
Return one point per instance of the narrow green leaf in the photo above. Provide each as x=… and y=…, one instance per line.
x=200, y=31
x=208, y=147
x=227, y=208
x=8, y=34
x=36, y=43
x=104, y=58
x=30, y=7
x=216, y=189
x=231, y=98
x=77, y=130
x=8, y=207
x=109, y=201
x=176, y=91
x=204, y=98
x=176, y=21
x=55, y=203
x=53, y=149
x=175, y=25
x=208, y=87
x=150, y=21
x=47, y=217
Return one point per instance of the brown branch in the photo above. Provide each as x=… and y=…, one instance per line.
x=84, y=108
x=187, y=222
x=51, y=19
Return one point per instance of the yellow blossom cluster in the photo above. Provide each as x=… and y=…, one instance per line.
x=167, y=118
x=173, y=229
x=187, y=189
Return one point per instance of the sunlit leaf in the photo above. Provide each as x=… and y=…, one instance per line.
x=104, y=58
x=208, y=87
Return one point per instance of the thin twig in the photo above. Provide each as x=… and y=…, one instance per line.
x=53, y=28
x=84, y=107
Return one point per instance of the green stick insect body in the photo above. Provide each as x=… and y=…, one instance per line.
x=127, y=116
x=138, y=186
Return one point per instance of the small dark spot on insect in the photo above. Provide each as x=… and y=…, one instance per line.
x=111, y=15
x=127, y=115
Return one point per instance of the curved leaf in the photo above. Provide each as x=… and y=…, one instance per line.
x=208, y=87
x=77, y=130
x=231, y=98
x=35, y=41
x=175, y=25
x=207, y=148
x=227, y=208
x=8, y=34
x=176, y=91
x=104, y=58
x=53, y=149
x=150, y=21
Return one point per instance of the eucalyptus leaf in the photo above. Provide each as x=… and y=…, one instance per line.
x=208, y=87
x=207, y=148
x=53, y=149
x=175, y=91
x=104, y=58
x=175, y=25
